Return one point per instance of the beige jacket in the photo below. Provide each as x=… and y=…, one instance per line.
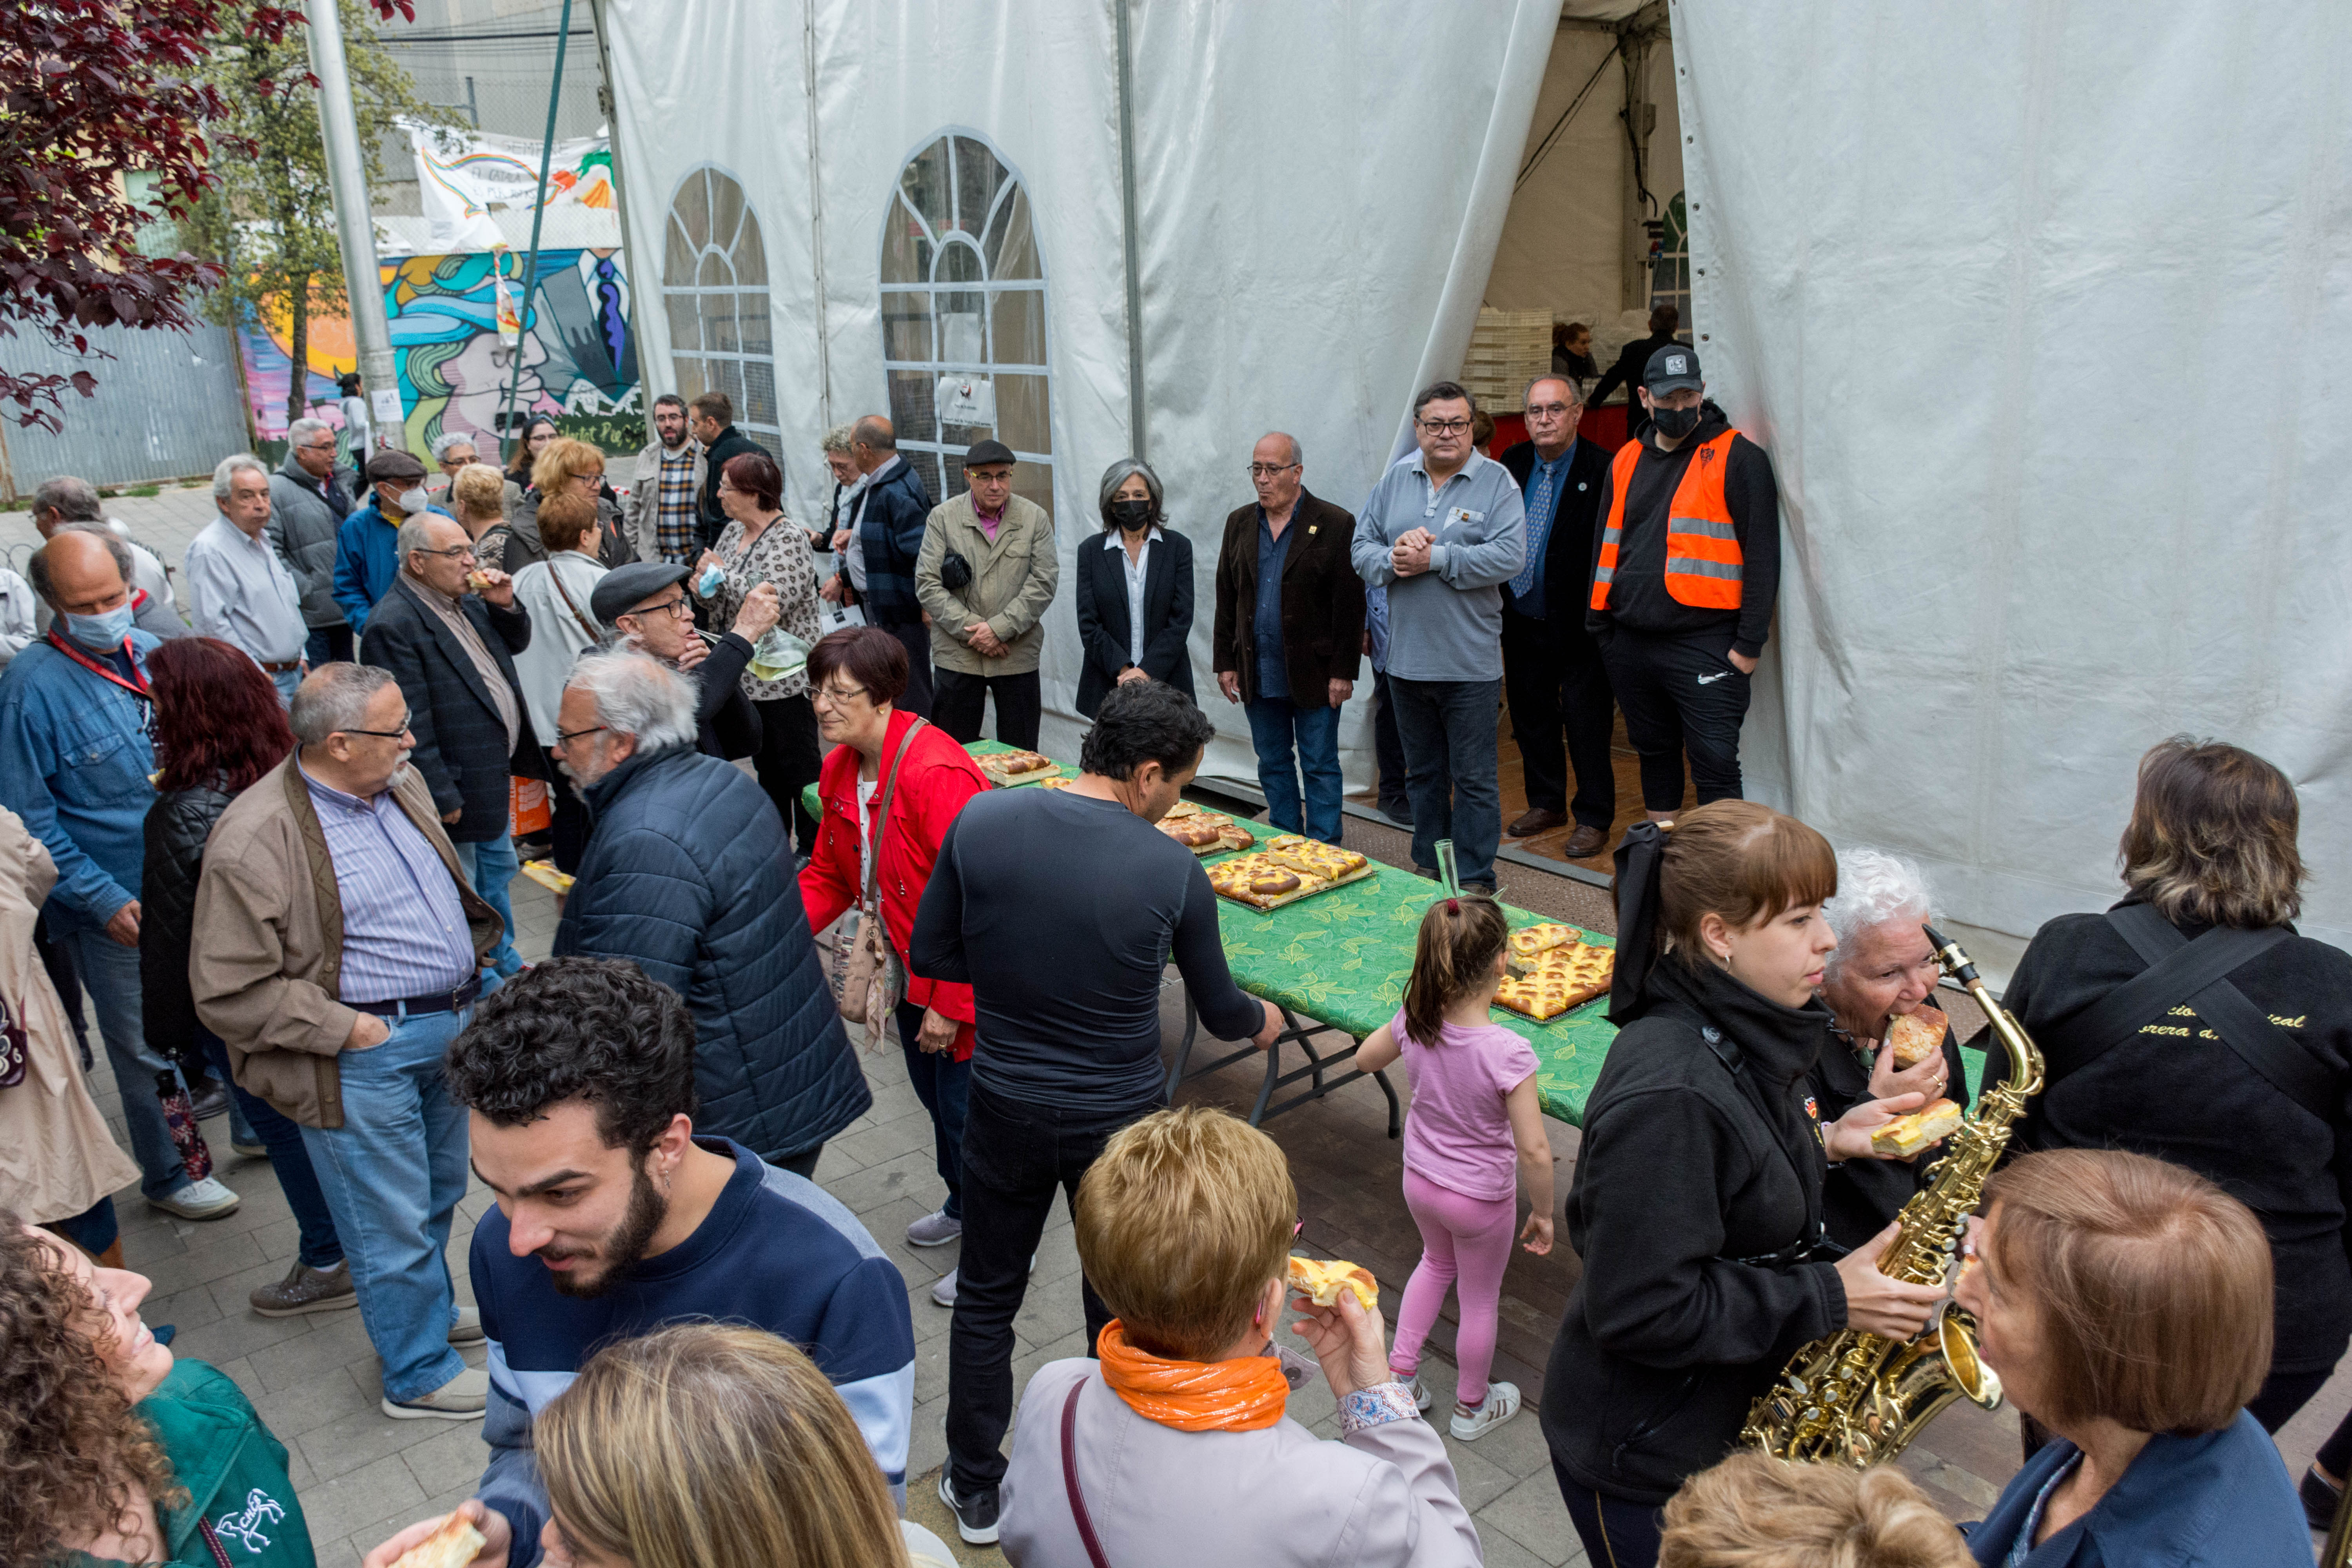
x=1012, y=581
x=642, y=511
x=270, y=940
x=56, y=1158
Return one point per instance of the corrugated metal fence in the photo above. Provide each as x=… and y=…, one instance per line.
x=167, y=407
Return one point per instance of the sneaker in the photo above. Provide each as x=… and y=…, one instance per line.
x=206, y=1199
x=213, y=1101
x=935, y=1230
x=307, y=1290
x=1502, y=1404
x=1421, y=1399
x=976, y=1517
x=462, y=1398
x=943, y=1294
x=2320, y=1498
x=467, y=1329
x=252, y=1148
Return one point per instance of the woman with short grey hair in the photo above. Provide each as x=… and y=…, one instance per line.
x=1135, y=590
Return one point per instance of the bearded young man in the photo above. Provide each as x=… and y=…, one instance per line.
x=614, y=1218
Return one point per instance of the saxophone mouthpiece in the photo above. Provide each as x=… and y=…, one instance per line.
x=1959, y=964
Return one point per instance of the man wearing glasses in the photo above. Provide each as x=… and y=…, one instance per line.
x=646, y=606
x=448, y=629
x=337, y=951
x=309, y=499
x=451, y=451
x=1442, y=531
x=1289, y=632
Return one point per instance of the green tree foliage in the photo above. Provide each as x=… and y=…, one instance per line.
x=270, y=221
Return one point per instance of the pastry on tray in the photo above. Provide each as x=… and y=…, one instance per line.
x=1321, y=1280
x=1260, y=882
x=1012, y=767
x=1916, y=1036
x=1561, y=980
x=1203, y=833
x=1327, y=861
x=1182, y=809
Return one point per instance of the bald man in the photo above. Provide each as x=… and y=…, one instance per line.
x=885, y=540
x=74, y=765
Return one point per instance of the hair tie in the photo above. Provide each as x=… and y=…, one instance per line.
x=1453, y=906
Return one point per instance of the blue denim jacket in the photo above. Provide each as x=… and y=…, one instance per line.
x=2223, y=1498
x=75, y=761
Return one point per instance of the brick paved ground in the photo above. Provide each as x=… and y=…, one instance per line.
x=362, y=1476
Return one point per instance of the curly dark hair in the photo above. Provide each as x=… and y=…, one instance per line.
x=579, y=1028
x=1144, y=722
x=72, y=1446
x=218, y=722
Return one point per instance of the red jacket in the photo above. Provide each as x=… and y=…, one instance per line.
x=935, y=778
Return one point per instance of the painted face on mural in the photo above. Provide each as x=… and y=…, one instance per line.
x=477, y=385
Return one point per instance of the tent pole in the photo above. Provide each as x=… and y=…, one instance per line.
x=609, y=104
x=538, y=217
x=1135, y=420
x=816, y=222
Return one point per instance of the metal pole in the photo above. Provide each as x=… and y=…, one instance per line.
x=347, y=175
x=1134, y=240
x=538, y=215
x=816, y=220
x=609, y=103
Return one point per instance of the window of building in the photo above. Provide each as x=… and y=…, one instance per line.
x=963, y=318
x=715, y=288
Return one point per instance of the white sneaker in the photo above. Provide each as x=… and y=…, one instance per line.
x=1502, y=1404
x=462, y=1398
x=1421, y=1399
x=934, y=1229
x=206, y=1199
x=944, y=1293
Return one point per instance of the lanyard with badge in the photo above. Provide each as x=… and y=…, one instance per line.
x=137, y=686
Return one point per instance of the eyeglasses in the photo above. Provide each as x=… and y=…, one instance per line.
x=678, y=607
x=1443, y=426
x=565, y=737
x=382, y=734
x=454, y=553
x=455, y=462
x=1550, y=410
x=326, y=445
x=836, y=696
x=1267, y=470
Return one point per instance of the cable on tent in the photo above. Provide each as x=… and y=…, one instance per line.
x=1552, y=137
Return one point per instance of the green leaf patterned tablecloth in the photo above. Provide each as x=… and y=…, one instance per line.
x=1342, y=958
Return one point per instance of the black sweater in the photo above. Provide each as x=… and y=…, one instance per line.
x=1062, y=913
x=177, y=825
x=1686, y=1167
x=1637, y=596
x=2183, y=1097
x=1861, y=1197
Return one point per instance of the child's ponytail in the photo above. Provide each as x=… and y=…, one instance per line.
x=1456, y=951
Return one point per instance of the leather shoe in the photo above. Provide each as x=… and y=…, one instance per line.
x=1540, y=819
x=1585, y=842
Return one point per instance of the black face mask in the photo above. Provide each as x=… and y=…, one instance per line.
x=1675, y=423
x=1131, y=515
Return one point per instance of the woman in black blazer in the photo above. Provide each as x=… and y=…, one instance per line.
x=1133, y=541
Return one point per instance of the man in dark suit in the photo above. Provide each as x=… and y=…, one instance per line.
x=450, y=643
x=1552, y=674
x=713, y=423
x=1633, y=362
x=885, y=540
x=1289, y=632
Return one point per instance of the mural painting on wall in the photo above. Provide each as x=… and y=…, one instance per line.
x=579, y=364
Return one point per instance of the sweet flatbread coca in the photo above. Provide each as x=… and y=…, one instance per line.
x=454, y=1545
x=1321, y=1281
x=1056, y=784
x=1327, y=861
x=1560, y=980
x=1907, y=1135
x=1916, y=1036
x=1261, y=883
x=1202, y=833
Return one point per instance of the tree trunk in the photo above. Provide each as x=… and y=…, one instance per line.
x=298, y=344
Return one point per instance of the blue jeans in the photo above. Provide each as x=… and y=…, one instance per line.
x=109, y=970
x=328, y=645
x=489, y=866
x=1276, y=726
x=319, y=1248
x=393, y=1174
x=944, y=1086
x=1449, y=730
x=286, y=680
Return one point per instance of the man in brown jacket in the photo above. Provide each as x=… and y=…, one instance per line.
x=1289, y=632
x=338, y=952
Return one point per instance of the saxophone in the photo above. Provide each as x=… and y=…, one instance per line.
x=1861, y=1398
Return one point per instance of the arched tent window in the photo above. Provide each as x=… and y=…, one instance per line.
x=715, y=287
x=964, y=317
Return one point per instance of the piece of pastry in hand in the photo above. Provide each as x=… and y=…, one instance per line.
x=476, y=581
x=1907, y=1135
x=454, y=1545
x=1916, y=1036
x=1321, y=1281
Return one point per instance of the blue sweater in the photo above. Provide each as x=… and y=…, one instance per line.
x=776, y=1252
x=74, y=764
x=367, y=558
x=1445, y=623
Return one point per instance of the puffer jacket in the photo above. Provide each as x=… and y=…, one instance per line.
x=688, y=875
x=177, y=825
x=301, y=528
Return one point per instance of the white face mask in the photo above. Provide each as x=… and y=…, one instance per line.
x=413, y=501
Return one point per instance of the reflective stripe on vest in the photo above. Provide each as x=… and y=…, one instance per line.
x=1703, y=565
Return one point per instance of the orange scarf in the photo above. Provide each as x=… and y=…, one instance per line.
x=1246, y=1394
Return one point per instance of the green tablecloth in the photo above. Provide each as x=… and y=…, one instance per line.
x=1342, y=958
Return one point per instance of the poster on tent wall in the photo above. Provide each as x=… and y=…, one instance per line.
x=579, y=364
x=464, y=177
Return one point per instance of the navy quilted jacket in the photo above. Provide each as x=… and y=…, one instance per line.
x=689, y=874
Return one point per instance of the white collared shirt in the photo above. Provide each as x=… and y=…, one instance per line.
x=1136, y=567
x=865, y=488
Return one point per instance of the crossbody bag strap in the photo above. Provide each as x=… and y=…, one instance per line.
x=585, y=624
x=1078, y=1514
x=882, y=814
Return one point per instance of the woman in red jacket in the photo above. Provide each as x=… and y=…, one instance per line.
x=855, y=675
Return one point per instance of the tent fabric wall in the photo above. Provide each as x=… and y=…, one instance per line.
x=1320, y=189
x=2041, y=318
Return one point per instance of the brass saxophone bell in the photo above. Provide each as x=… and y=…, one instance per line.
x=1956, y=1336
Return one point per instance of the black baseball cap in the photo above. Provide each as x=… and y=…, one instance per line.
x=624, y=588
x=983, y=453
x=1671, y=369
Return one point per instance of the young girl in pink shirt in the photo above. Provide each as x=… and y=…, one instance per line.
x=1474, y=1111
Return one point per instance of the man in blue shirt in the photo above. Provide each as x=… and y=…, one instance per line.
x=75, y=761
x=1551, y=667
x=367, y=541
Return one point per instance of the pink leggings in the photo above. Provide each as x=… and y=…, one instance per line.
x=1465, y=1243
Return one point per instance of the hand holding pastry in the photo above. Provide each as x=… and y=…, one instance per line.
x=494, y=586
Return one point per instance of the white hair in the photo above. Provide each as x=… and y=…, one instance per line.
x=299, y=434
x=636, y=695
x=334, y=697
x=223, y=477
x=448, y=439
x=1874, y=888
x=416, y=533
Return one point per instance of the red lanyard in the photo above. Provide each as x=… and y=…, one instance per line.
x=103, y=671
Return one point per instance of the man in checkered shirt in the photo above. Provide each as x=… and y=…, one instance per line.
x=663, y=484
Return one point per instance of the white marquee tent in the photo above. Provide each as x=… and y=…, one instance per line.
x=2001, y=290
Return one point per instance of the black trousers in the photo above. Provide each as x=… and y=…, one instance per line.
x=1616, y=1534
x=787, y=761
x=1679, y=693
x=570, y=827
x=916, y=637
x=1387, y=746
x=1015, y=1156
x=1557, y=686
x=955, y=705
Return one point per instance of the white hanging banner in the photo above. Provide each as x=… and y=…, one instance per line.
x=465, y=176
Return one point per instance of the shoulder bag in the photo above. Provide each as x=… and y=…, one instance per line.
x=1079, y=1515
x=587, y=626
x=873, y=981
